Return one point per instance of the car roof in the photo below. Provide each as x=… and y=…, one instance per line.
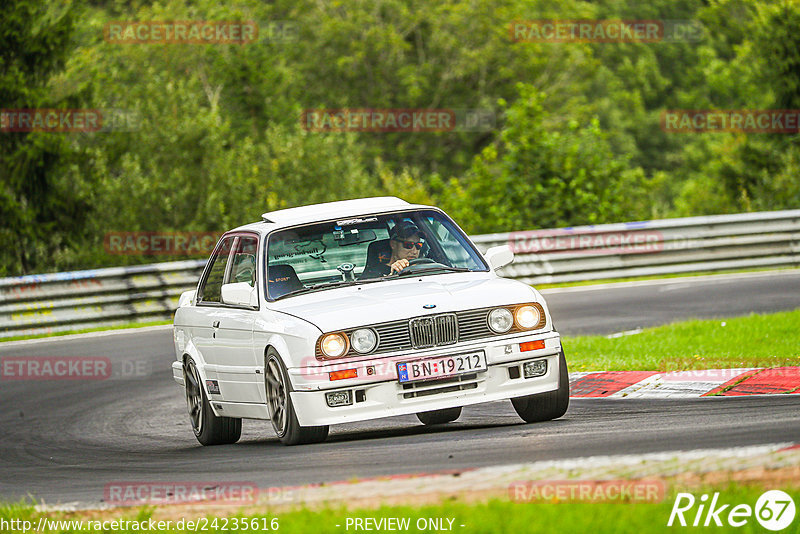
x=327, y=211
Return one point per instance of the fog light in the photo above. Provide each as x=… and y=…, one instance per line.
x=534, y=368
x=339, y=398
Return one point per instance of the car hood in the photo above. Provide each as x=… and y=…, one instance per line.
x=379, y=302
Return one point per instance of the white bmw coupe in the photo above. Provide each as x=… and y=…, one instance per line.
x=356, y=310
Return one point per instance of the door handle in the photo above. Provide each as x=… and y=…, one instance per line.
x=215, y=324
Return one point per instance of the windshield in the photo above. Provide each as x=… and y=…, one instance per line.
x=363, y=249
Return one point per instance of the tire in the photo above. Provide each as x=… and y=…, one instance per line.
x=279, y=403
x=546, y=406
x=208, y=428
x=439, y=417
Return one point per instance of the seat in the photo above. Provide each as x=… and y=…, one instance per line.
x=378, y=254
x=282, y=279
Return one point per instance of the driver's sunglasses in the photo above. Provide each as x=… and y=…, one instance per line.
x=410, y=244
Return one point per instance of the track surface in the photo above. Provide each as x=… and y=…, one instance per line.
x=63, y=441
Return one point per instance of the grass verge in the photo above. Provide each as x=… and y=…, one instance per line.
x=770, y=340
x=494, y=516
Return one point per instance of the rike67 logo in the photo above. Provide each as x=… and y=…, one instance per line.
x=774, y=510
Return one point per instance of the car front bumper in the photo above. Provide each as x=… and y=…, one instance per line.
x=375, y=391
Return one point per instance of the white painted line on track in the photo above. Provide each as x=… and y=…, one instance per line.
x=680, y=384
x=685, y=280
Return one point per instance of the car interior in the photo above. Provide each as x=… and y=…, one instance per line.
x=282, y=279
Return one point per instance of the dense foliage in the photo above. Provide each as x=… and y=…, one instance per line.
x=218, y=139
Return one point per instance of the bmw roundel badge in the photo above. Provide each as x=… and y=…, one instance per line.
x=429, y=306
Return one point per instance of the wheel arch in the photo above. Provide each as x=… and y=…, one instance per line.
x=280, y=351
x=201, y=370
x=279, y=345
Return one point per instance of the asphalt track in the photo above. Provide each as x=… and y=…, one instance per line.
x=626, y=306
x=62, y=442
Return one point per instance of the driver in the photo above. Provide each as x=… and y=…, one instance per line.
x=405, y=244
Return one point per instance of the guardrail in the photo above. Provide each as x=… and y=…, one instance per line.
x=56, y=302
x=48, y=303
x=647, y=248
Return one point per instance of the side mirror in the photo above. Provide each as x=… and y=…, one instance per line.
x=499, y=256
x=187, y=298
x=239, y=294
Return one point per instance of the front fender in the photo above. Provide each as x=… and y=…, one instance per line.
x=293, y=338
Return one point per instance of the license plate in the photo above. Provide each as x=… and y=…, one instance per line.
x=441, y=367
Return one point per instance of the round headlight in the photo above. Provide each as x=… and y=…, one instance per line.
x=500, y=320
x=333, y=345
x=363, y=340
x=527, y=316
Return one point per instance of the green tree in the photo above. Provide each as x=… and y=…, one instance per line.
x=753, y=172
x=41, y=213
x=539, y=177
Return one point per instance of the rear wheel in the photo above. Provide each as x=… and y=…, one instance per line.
x=281, y=410
x=439, y=417
x=546, y=406
x=208, y=428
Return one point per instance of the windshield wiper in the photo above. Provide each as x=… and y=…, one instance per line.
x=409, y=271
x=326, y=285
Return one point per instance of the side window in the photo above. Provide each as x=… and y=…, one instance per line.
x=244, y=261
x=211, y=290
x=452, y=244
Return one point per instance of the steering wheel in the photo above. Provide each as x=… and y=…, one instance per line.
x=420, y=261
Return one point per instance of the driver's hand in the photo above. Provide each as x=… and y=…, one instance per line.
x=398, y=266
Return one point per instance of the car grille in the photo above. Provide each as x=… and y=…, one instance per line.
x=436, y=387
x=416, y=333
x=433, y=331
x=474, y=324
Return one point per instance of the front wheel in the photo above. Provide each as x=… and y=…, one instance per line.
x=208, y=428
x=546, y=406
x=439, y=417
x=281, y=410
